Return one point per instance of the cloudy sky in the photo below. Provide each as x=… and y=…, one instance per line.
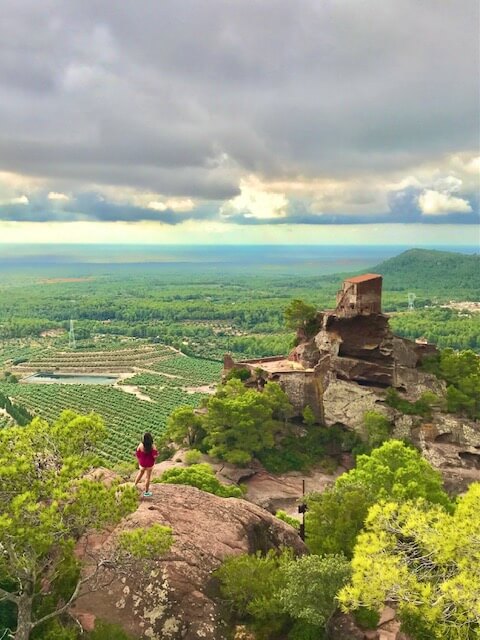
x=239, y=120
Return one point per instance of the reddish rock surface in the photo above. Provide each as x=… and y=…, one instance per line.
x=176, y=597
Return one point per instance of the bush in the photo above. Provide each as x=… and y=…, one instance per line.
x=239, y=374
x=366, y=618
x=377, y=428
x=301, y=452
x=250, y=583
x=302, y=630
x=54, y=630
x=311, y=584
x=201, y=476
x=106, y=631
x=329, y=465
x=146, y=542
x=308, y=416
x=276, y=592
x=393, y=471
x=421, y=407
x=241, y=422
x=193, y=456
x=293, y=522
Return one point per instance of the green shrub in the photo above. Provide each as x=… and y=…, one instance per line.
x=107, y=631
x=308, y=416
x=311, y=584
x=329, y=465
x=146, y=542
x=301, y=452
x=250, y=583
x=201, y=476
x=54, y=630
x=421, y=407
x=366, y=618
x=377, y=428
x=239, y=374
x=293, y=522
x=393, y=471
x=193, y=456
x=302, y=630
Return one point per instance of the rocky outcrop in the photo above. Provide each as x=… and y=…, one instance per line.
x=284, y=491
x=267, y=490
x=346, y=403
x=359, y=349
x=176, y=597
x=343, y=627
x=304, y=389
x=452, y=445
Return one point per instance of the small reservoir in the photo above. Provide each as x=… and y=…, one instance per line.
x=69, y=378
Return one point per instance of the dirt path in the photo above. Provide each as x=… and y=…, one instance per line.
x=206, y=388
x=130, y=388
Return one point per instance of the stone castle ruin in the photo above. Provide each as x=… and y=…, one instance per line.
x=351, y=344
x=360, y=296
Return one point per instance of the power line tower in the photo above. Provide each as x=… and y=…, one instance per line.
x=71, y=336
x=411, y=301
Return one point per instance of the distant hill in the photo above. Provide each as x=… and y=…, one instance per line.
x=441, y=273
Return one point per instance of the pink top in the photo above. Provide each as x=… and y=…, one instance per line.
x=145, y=459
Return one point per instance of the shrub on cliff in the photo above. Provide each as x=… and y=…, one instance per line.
x=201, y=476
x=425, y=560
x=393, y=471
x=279, y=594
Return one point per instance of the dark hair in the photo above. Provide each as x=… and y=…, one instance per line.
x=147, y=442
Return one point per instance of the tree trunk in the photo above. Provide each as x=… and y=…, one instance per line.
x=24, y=617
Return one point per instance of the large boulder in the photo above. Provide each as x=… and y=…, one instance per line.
x=177, y=597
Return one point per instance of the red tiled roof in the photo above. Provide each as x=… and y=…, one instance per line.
x=364, y=277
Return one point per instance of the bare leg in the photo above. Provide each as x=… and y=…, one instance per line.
x=139, y=476
x=147, y=481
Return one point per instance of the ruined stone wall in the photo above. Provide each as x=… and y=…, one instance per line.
x=360, y=298
x=369, y=297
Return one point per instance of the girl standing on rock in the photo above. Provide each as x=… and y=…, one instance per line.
x=146, y=454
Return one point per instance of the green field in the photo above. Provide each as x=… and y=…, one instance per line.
x=166, y=330
x=126, y=415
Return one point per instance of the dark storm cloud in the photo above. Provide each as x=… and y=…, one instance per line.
x=182, y=98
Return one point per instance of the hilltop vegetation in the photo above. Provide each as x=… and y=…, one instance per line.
x=207, y=313
x=384, y=531
x=433, y=273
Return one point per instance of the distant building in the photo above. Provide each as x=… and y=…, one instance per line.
x=360, y=296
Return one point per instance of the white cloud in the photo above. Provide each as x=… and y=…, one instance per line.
x=435, y=202
x=255, y=201
x=448, y=184
x=54, y=195
x=177, y=204
x=20, y=200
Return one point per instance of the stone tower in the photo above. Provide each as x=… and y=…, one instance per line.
x=360, y=296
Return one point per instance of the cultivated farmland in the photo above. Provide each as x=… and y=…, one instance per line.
x=153, y=380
